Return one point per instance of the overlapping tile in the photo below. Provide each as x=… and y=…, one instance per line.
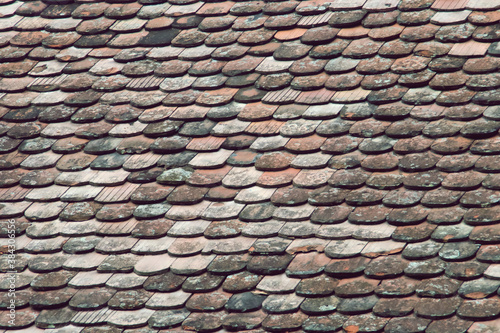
x=244, y=166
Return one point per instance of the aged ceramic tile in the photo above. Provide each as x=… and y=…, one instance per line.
x=330, y=165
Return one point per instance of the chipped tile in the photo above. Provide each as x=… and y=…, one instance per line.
x=375, y=249
x=48, y=68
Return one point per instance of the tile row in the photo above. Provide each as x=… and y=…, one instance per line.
x=228, y=96
x=274, y=238
x=214, y=321
x=398, y=120
x=277, y=296
x=242, y=16
x=150, y=10
x=400, y=207
x=317, y=188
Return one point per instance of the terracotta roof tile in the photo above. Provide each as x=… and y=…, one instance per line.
x=448, y=5
x=169, y=160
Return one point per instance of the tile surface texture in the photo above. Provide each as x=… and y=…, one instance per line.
x=260, y=166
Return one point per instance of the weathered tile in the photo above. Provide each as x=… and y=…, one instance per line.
x=470, y=48
x=181, y=212
x=50, y=193
x=481, y=5
x=116, y=193
x=17, y=193
x=135, y=318
x=152, y=246
x=38, y=211
x=377, y=5
x=210, y=160
x=297, y=213
x=84, y=262
x=48, y=68
x=109, y=178
x=450, y=17
x=263, y=144
x=148, y=265
x=487, y=326
x=241, y=177
x=74, y=178
x=96, y=317
x=165, y=301
x=54, y=318
x=43, y=160
x=277, y=284
x=222, y=210
x=233, y=245
x=254, y=195
x=261, y=229
x=191, y=265
x=115, y=245
x=89, y=279
x=168, y=318
x=448, y=5
x=188, y=228
x=476, y=309
x=345, y=248
x=187, y=246
x=81, y=193
x=312, y=179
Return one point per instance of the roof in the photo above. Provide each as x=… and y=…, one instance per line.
x=257, y=166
